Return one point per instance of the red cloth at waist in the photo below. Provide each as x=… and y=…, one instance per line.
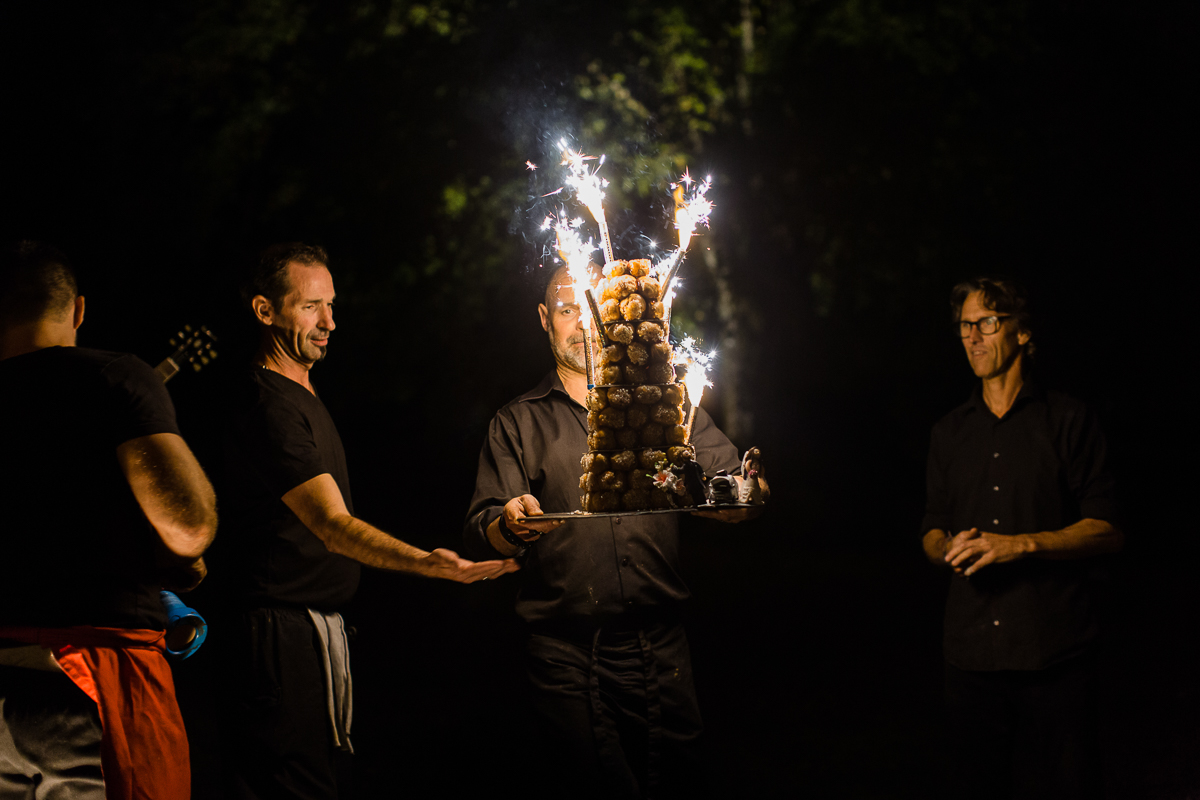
x=144, y=750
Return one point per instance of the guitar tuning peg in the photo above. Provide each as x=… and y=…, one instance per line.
x=195, y=367
x=187, y=328
x=172, y=341
x=204, y=360
x=212, y=354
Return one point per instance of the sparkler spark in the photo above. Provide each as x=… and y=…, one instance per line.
x=589, y=189
x=691, y=206
x=577, y=254
x=695, y=363
x=529, y=165
x=695, y=378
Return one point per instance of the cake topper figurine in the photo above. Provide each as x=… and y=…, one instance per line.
x=751, y=474
x=722, y=489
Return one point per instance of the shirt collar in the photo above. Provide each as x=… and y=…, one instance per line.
x=548, y=384
x=1030, y=391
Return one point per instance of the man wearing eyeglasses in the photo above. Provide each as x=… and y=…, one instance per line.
x=1020, y=502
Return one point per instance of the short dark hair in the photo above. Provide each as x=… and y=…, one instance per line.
x=270, y=278
x=1002, y=295
x=36, y=281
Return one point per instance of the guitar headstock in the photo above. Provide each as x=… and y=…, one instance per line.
x=194, y=347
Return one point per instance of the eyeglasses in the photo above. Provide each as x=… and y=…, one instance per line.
x=987, y=326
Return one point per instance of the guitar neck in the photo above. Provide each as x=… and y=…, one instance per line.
x=192, y=348
x=167, y=369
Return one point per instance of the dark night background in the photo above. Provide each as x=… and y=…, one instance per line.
x=866, y=155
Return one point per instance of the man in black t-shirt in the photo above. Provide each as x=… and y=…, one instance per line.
x=91, y=454
x=1019, y=499
x=295, y=547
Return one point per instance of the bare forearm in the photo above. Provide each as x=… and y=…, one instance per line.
x=1088, y=537
x=172, y=490
x=351, y=537
x=934, y=543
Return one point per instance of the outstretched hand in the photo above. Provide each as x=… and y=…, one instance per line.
x=972, y=550
x=442, y=563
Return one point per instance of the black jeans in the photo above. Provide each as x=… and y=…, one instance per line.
x=619, y=710
x=1023, y=734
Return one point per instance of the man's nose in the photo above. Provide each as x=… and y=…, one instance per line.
x=976, y=335
x=327, y=319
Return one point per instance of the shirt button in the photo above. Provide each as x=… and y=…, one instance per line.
x=617, y=521
x=996, y=522
x=995, y=455
x=996, y=622
x=995, y=488
x=625, y=562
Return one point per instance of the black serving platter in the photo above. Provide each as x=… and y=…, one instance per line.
x=568, y=516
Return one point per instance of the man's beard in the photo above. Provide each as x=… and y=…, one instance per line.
x=568, y=355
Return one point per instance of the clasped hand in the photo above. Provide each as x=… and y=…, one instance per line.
x=972, y=550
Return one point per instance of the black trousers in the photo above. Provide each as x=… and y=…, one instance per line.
x=49, y=738
x=619, y=711
x=1023, y=735
x=275, y=722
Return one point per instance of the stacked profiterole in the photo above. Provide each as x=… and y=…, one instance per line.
x=635, y=412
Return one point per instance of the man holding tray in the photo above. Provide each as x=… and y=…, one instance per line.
x=607, y=657
x=1019, y=500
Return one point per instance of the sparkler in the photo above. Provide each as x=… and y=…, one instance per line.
x=589, y=190
x=691, y=209
x=595, y=309
x=695, y=378
x=577, y=255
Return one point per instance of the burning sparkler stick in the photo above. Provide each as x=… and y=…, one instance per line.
x=691, y=209
x=589, y=190
x=595, y=309
x=577, y=255
x=695, y=378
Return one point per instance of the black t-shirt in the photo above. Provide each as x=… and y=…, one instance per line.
x=75, y=548
x=278, y=437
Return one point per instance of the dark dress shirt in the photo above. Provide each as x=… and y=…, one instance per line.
x=1039, y=468
x=589, y=569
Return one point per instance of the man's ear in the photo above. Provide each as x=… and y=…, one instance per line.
x=262, y=309
x=77, y=319
x=544, y=313
x=1023, y=337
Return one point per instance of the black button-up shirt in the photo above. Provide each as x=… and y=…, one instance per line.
x=588, y=569
x=1039, y=468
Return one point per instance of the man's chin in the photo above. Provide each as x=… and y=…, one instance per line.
x=314, y=353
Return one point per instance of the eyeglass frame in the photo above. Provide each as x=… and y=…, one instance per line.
x=999, y=318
